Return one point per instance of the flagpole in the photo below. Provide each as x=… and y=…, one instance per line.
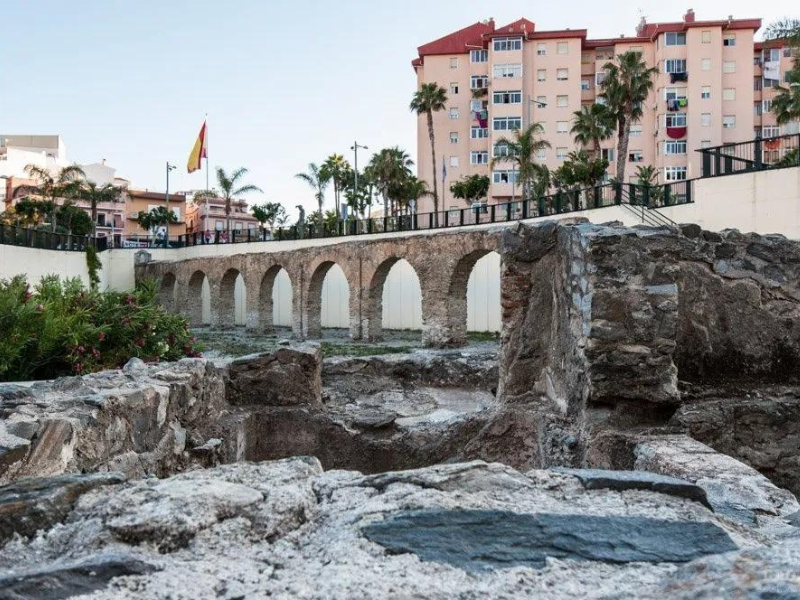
x=208, y=189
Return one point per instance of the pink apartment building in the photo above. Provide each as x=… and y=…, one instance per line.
x=713, y=87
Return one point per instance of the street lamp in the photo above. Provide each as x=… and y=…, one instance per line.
x=166, y=202
x=355, y=148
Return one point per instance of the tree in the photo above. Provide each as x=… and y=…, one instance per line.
x=229, y=190
x=269, y=212
x=471, y=189
x=521, y=152
x=95, y=194
x=413, y=189
x=63, y=185
x=156, y=217
x=430, y=98
x=389, y=168
x=317, y=179
x=785, y=29
x=591, y=125
x=580, y=170
x=74, y=220
x=786, y=104
x=27, y=213
x=337, y=170
x=625, y=89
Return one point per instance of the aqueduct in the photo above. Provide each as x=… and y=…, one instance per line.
x=442, y=261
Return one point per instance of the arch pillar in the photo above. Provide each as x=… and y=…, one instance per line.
x=223, y=300
x=253, y=315
x=192, y=298
x=437, y=326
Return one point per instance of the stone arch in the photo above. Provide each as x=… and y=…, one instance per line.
x=225, y=315
x=195, y=298
x=266, y=303
x=457, y=297
x=313, y=305
x=168, y=292
x=373, y=318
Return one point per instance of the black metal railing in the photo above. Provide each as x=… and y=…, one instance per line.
x=756, y=155
x=11, y=235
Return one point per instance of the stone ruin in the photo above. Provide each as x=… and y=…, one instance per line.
x=638, y=436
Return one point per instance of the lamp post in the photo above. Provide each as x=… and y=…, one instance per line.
x=355, y=148
x=166, y=203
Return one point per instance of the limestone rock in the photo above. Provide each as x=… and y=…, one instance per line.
x=286, y=377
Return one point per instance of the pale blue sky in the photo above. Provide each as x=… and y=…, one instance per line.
x=284, y=83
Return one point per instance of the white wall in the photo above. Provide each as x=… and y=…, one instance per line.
x=335, y=299
x=35, y=263
x=483, y=295
x=402, y=298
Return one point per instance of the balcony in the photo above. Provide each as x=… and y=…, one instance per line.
x=680, y=76
x=677, y=104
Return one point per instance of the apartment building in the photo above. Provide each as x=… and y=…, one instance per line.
x=502, y=78
x=209, y=215
x=138, y=201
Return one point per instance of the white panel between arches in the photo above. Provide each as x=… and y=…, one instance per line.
x=282, y=300
x=402, y=298
x=335, y=299
x=483, y=295
x=206, y=296
x=240, y=301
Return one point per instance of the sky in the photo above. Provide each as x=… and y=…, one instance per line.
x=284, y=83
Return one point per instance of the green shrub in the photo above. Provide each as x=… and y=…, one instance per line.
x=61, y=328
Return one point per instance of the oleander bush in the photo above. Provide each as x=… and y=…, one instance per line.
x=61, y=328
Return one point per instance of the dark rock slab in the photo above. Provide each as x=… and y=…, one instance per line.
x=285, y=377
x=29, y=505
x=596, y=479
x=477, y=540
x=72, y=579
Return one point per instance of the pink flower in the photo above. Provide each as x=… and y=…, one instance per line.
x=40, y=307
x=27, y=296
x=78, y=367
x=139, y=342
x=101, y=336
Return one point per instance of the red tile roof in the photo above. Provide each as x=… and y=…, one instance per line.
x=519, y=26
x=458, y=42
x=651, y=30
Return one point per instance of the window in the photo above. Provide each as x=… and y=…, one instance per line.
x=562, y=74
x=561, y=153
x=541, y=75
x=705, y=144
x=635, y=156
x=562, y=126
x=757, y=109
x=706, y=37
x=504, y=176
x=729, y=122
x=769, y=131
x=453, y=137
x=767, y=104
x=586, y=84
x=454, y=162
x=607, y=154
x=454, y=112
x=787, y=52
x=501, y=150
x=674, y=174
x=476, y=105
x=479, y=157
x=562, y=48
x=705, y=64
x=705, y=119
x=513, y=70
x=674, y=93
x=479, y=56
x=675, y=39
x=542, y=101
x=507, y=97
x=729, y=94
x=454, y=63
x=101, y=219
x=506, y=123
x=774, y=54
x=675, y=120
x=757, y=83
x=599, y=78
x=674, y=147
x=770, y=83
x=729, y=39
x=675, y=65
x=237, y=226
x=636, y=130
x=705, y=92
x=541, y=50
x=453, y=88
x=541, y=154
x=478, y=133
x=506, y=44
x=729, y=66
x=562, y=101
x=477, y=82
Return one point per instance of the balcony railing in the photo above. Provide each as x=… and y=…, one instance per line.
x=757, y=155
x=11, y=235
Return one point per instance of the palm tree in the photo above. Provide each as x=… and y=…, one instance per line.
x=591, y=125
x=521, y=152
x=786, y=103
x=414, y=189
x=155, y=217
x=229, y=190
x=626, y=87
x=64, y=184
x=317, y=179
x=338, y=170
x=430, y=98
x=785, y=29
x=389, y=168
x=95, y=194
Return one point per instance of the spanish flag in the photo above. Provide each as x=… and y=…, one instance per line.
x=199, y=152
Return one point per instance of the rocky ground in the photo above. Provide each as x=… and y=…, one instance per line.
x=288, y=529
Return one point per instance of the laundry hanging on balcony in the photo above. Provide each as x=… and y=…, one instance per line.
x=482, y=117
x=676, y=133
x=772, y=70
x=672, y=105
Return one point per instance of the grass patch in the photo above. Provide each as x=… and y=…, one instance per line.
x=483, y=336
x=330, y=349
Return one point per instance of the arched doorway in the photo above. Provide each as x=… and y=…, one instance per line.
x=275, y=300
x=485, y=293
x=328, y=303
x=395, y=299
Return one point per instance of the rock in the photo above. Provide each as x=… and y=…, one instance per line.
x=69, y=579
x=135, y=366
x=11, y=394
x=794, y=519
x=479, y=540
x=29, y=505
x=593, y=479
x=286, y=377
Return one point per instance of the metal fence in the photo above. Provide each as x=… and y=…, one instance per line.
x=11, y=235
x=756, y=155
